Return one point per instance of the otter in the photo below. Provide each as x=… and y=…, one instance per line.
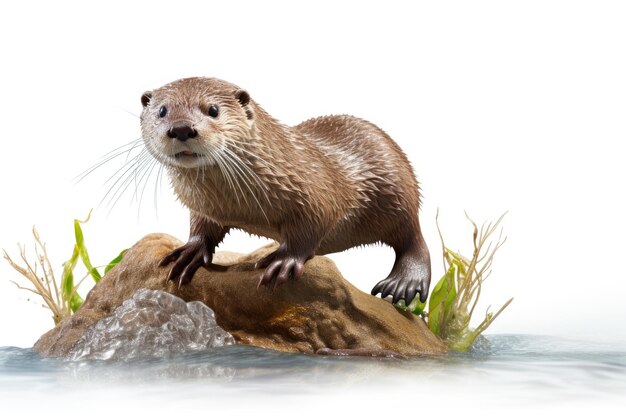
x=326, y=185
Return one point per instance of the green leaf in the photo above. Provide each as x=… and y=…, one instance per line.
x=115, y=261
x=416, y=306
x=463, y=341
x=67, y=279
x=82, y=249
x=75, y=300
x=459, y=261
x=434, y=318
x=441, y=301
x=68, y=291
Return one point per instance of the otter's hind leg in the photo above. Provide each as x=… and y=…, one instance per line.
x=410, y=274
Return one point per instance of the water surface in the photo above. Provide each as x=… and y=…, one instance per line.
x=510, y=372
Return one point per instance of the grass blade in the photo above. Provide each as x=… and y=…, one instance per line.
x=82, y=249
x=115, y=261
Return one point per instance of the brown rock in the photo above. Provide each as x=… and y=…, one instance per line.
x=320, y=311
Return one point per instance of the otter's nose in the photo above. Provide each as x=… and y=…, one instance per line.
x=182, y=132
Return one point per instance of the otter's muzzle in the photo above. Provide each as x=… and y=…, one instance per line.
x=182, y=132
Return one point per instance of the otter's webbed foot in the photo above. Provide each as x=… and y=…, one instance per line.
x=405, y=288
x=280, y=267
x=188, y=259
x=410, y=275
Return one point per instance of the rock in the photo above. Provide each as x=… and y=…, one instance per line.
x=151, y=324
x=320, y=312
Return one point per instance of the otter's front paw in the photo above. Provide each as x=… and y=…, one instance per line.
x=279, y=268
x=187, y=259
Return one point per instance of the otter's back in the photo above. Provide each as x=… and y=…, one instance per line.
x=363, y=150
x=375, y=166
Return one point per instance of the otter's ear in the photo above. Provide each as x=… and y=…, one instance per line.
x=243, y=97
x=145, y=98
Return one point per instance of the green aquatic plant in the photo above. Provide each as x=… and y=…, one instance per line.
x=454, y=298
x=61, y=297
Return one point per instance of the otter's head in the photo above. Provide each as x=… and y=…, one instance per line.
x=187, y=123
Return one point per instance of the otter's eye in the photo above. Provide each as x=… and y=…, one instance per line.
x=213, y=110
x=162, y=111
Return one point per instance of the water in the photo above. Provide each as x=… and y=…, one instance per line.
x=152, y=324
x=512, y=372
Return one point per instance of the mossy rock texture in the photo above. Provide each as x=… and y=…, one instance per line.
x=319, y=313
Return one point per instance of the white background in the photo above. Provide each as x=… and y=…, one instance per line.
x=500, y=106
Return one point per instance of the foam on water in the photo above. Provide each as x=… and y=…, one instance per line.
x=152, y=324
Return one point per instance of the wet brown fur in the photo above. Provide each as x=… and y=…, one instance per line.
x=323, y=186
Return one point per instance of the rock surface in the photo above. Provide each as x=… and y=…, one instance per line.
x=322, y=311
x=151, y=324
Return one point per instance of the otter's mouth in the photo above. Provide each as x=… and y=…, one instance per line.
x=187, y=158
x=186, y=155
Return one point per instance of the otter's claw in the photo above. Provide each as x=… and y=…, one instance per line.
x=279, y=269
x=187, y=260
x=402, y=289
